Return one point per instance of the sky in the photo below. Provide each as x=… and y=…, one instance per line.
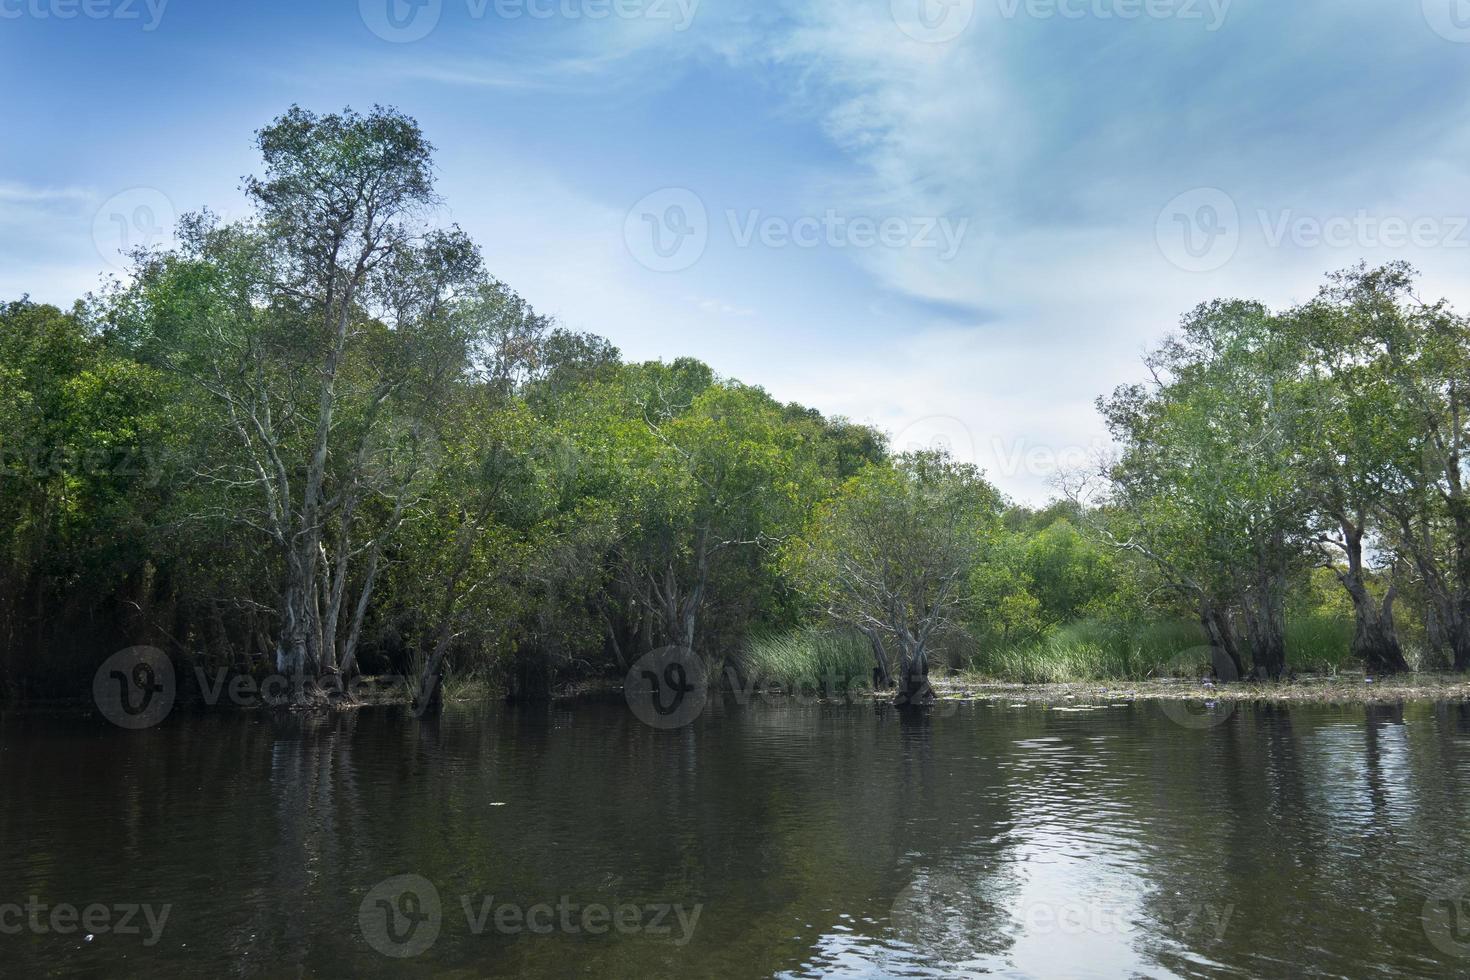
x=958, y=220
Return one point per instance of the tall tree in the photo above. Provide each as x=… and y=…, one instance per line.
x=323, y=331
x=1208, y=480
x=893, y=556
x=1354, y=431
x=1421, y=358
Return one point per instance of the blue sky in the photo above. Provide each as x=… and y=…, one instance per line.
x=959, y=220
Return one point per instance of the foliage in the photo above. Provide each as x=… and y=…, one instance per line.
x=323, y=438
x=893, y=556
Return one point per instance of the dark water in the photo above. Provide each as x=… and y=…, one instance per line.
x=810, y=840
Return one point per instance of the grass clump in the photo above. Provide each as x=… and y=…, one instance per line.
x=830, y=661
x=1320, y=644
x=1097, y=649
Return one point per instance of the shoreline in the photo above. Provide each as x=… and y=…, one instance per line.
x=1429, y=688
x=1342, y=689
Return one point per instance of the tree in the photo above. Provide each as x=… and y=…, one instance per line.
x=323, y=332
x=1036, y=578
x=1354, y=430
x=84, y=437
x=1207, y=488
x=893, y=554
x=1415, y=362
x=706, y=477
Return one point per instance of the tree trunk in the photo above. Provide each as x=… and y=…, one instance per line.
x=1460, y=635
x=1265, y=612
x=1375, y=637
x=291, y=649
x=1460, y=624
x=1224, y=650
x=913, y=681
x=1459, y=507
x=430, y=695
x=882, y=672
x=1266, y=622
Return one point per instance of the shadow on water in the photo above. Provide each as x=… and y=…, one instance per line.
x=795, y=840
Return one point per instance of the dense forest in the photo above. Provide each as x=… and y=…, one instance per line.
x=324, y=441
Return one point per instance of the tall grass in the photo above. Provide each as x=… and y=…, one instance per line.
x=833, y=661
x=476, y=682
x=1095, y=650
x=829, y=661
x=1320, y=644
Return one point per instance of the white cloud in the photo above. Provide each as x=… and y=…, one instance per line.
x=26, y=194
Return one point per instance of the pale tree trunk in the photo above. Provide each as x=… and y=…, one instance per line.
x=1448, y=591
x=359, y=614
x=913, y=682
x=882, y=673
x=695, y=598
x=1440, y=613
x=304, y=632
x=679, y=606
x=1375, y=636
x=348, y=656
x=430, y=694
x=291, y=650
x=1459, y=508
x=914, y=688
x=1461, y=641
x=1434, y=637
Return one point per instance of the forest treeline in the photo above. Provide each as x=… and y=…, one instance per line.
x=324, y=441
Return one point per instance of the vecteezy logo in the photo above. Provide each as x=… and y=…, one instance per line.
x=141, y=217
x=921, y=910
x=668, y=230
x=134, y=688
x=400, y=21
x=1450, y=19
x=401, y=916
x=667, y=688
x=933, y=21
x=1205, y=712
x=1445, y=920
x=938, y=433
x=1199, y=231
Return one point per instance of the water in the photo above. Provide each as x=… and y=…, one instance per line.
x=810, y=840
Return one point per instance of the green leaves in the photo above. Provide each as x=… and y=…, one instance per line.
x=896, y=550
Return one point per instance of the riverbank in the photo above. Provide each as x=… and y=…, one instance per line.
x=1305, y=689
x=1339, y=689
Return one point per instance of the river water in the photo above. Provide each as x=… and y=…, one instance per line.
x=764, y=840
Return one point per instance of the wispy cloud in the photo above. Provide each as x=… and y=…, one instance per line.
x=18, y=193
x=1059, y=141
x=722, y=308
